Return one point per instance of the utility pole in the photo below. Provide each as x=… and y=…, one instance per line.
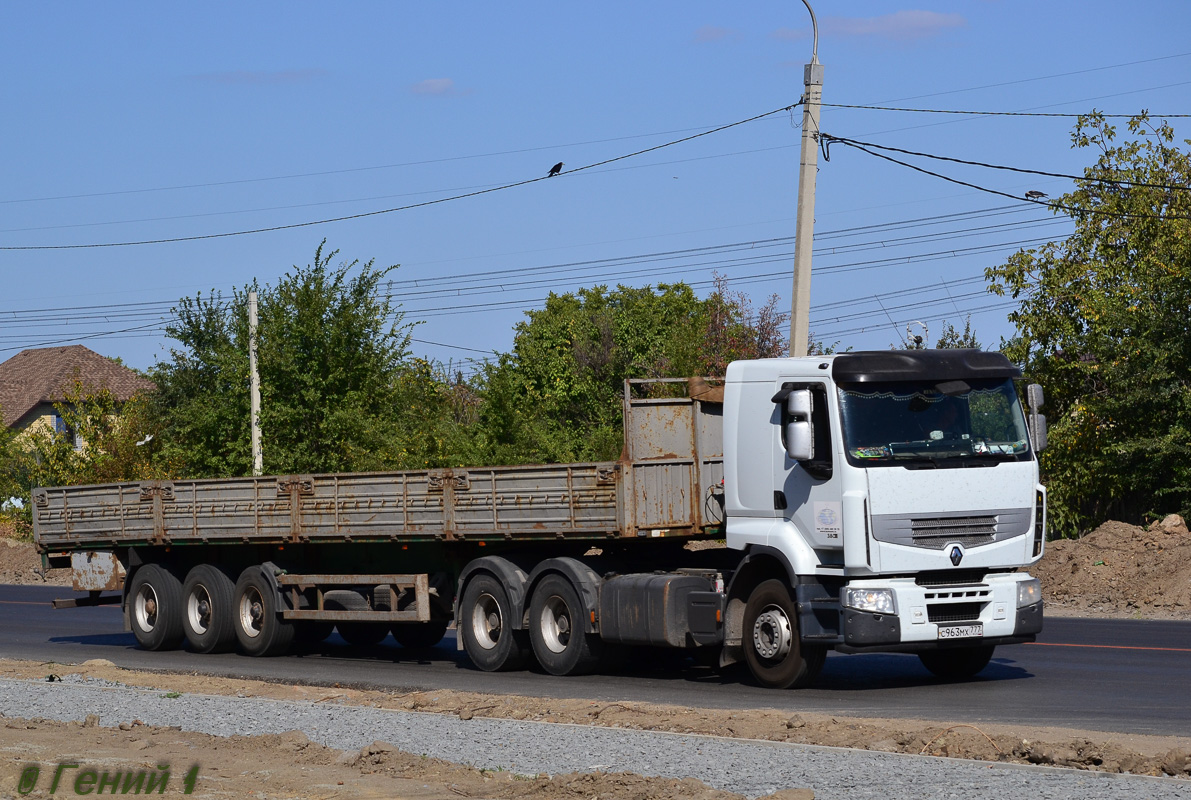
x=254, y=388
x=812, y=96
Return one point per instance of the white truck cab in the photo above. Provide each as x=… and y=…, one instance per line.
x=902, y=485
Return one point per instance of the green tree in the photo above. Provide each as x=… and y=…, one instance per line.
x=1102, y=324
x=735, y=331
x=952, y=338
x=557, y=396
x=331, y=351
x=103, y=441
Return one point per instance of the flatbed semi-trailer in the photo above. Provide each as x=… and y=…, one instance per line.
x=848, y=525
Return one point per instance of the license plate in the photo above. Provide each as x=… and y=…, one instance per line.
x=973, y=631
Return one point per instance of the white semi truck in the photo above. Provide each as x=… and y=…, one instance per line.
x=869, y=502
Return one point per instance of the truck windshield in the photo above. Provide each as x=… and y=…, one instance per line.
x=923, y=424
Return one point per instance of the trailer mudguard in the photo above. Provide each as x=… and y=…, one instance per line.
x=585, y=580
x=511, y=576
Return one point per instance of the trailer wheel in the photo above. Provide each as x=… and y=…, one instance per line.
x=362, y=634
x=155, y=608
x=419, y=635
x=556, y=629
x=260, y=628
x=207, y=616
x=775, y=656
x=956, y=663
x=486, y=625
x=310, y=632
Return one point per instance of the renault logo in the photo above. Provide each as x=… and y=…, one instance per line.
x=957, y=555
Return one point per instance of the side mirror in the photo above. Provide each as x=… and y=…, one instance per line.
x=800, y=435
x=1034, y=397
x=1037, y=421
x=1038, y=428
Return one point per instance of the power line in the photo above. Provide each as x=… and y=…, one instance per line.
x=997, y=113
x=400, y=208
x=828, y=140
x=1042, y=77
x=1060, y=206
x=398, y=286
x=347, y=170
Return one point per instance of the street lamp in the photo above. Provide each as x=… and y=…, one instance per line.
x=812, y=97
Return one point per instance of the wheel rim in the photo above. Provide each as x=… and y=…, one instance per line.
x=486, y=621
x=198, y=609
x=252, y=612
x=772, y=634
x=145, y=607
x=555, y=624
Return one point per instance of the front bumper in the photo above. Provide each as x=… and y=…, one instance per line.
x=923, y=610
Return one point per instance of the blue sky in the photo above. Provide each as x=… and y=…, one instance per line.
x=137, y=121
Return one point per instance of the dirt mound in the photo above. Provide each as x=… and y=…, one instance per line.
x=20, y=563
x=1120, y=570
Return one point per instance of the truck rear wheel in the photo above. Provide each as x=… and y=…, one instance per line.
x=956, y=663
x=775, y=655
x=207, y=616
x=260, y=628
x=419, y=635
x=155, y=608
x=556, y=629
x=486, y=625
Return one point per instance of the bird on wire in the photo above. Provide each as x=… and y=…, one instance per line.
x=557, y=168
x=1034, y=194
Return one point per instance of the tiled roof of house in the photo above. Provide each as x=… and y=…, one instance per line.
x=46, y=374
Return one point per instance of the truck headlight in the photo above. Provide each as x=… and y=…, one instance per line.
x=879, y=601
x=1029, y=592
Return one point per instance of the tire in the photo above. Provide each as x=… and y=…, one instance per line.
x=419, y=635
x=260, y=628
x=775, y=656
x=208, y=618
x=362, y=634
x=486, y=625
x=956, y=663
x=310, y=632
x=556, y=618
x=155, y=608
x=357, y=634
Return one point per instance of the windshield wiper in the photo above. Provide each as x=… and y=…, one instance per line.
x=917, y=462
x=994, y=456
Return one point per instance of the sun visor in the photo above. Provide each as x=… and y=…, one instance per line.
x=883, y=366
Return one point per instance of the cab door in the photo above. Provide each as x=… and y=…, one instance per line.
x=810, y=490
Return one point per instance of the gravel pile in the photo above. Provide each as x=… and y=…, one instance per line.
x=751, y=767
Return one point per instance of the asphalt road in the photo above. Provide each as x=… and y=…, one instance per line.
x=1111, y=675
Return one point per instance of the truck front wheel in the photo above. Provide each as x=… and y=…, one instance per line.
x=260, y=628
x=775, y=656
x=956, y=663
x=556, y=629
x=486, y=625
x=155, y=608
x=207, y=614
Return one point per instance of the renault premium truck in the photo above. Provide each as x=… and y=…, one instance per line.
x=860, y=502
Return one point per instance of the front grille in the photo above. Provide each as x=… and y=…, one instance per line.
x=938, y=532
x=955, y=577
x=953, y=612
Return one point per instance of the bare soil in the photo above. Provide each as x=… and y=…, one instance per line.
x=20, y=563
x=289, y=765
x=1113, y=752
x=1118, y=570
